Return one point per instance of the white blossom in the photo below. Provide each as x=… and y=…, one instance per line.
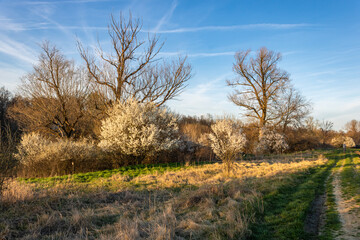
x=338, y=141
x=34, y=148
x=138, y=129
x=227, y=141
x=271, y=142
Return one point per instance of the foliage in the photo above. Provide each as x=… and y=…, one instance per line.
x=40, y=156
x=138, y=129
x=227, y=141
x=338, y=141
x=271, y=142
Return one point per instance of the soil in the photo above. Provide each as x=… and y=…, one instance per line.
x=349, y=216
x=314, y=218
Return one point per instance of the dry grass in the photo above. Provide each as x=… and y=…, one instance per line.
x=197, y=203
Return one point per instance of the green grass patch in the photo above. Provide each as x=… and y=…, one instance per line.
x=332, y=222
x=131, y=171
x=285, y=209
x=350, y=178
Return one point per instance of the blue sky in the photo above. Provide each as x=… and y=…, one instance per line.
x=319, y=41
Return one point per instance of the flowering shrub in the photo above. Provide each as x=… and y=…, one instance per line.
x=40, y=156
x=271, y=142
x=138, y=129
x=227, y=141
x=338, y=141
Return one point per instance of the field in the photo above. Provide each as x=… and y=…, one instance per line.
x=313, y=197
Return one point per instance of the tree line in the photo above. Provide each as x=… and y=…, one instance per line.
x=121, y=94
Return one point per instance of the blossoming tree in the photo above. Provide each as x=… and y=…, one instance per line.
x=338, y=141
x=227, y=141
x=138, y=129
x=271, y=142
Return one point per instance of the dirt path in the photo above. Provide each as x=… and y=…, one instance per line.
x=349, y=218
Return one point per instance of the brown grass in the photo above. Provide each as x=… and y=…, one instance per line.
x=197, y=203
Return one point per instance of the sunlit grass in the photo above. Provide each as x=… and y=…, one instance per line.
x=158, y=202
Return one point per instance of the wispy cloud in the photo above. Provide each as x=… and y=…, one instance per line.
x=274, y=26
x=62, y=2
x=16, y=50
x=203, y=54
x=45, y=15
x=210, y=97
x=166, y=17
x=217, y=54
x=7, y=24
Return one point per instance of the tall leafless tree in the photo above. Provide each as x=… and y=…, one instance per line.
x=292, y=108
x=325, y=128
x=53, y=96
x=261, y=83
x=353, y=130
x=264, y=90
x=131, y=68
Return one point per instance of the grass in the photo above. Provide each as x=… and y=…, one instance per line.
x=171, y=203
x=350, y=178
x=130, y=171
x=332, y=219
x=287, y=206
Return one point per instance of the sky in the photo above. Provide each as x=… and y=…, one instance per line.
x=318, y=39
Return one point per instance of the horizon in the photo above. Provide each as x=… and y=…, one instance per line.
x=318, y=41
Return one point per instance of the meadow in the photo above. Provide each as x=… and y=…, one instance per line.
x=272, y=198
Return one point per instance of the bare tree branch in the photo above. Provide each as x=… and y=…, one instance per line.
x=131, y=69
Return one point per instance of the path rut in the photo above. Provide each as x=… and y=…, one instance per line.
x=349, y=218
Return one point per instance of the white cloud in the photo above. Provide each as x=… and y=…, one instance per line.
x=166, y=17
x=10, y=77
x=17, y=50
x=194, y=55
x=209, y=97
x=216, y=54
x=274, y=26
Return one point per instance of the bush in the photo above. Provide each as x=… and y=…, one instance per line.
x=227, y=141
x=338, y=141
x=271, y=142
x=39, y=156
x=138, y=130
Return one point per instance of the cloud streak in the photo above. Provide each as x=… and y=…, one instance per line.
x=16, y=50
x=166, y=17
x=194, y=55
x=62, y=2
x=268, y=26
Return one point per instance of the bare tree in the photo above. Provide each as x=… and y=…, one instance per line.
x=261, y=83
x=131, y=70
x=292, y=108
x=353, y=130
x=54, y=96
x=325, y=130
x=8, y=138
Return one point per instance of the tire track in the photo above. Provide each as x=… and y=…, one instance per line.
x=349, y=218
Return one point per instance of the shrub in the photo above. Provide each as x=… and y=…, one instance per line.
x=271, y=142
x=227, y=141
x=138, y=130
x=39, y=156
x=338, y=141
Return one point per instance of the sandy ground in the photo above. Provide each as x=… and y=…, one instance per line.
x=348, y=211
